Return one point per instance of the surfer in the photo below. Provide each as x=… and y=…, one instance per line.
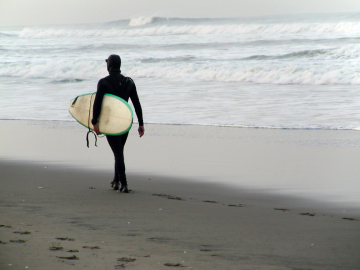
x=123, y=87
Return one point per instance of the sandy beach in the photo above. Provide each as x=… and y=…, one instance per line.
x=202, y=198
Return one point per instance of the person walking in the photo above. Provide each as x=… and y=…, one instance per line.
x=123, y=87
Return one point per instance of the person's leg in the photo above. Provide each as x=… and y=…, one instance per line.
x=124, y=138
x=116, y=180
x=117, y=147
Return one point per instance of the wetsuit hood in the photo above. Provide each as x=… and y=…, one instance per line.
x=113, y=63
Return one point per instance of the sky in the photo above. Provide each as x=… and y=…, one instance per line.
x=37, y=12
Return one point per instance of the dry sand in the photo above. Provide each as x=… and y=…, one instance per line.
x=55, y=194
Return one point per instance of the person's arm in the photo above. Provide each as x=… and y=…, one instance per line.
x=97, y=105
x=138, y=110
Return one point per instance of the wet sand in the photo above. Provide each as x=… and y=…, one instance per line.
x=55, y=195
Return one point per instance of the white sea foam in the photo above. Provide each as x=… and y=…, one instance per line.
x=140, y=21
x=345, y=28
x=254, y=74
x=54, y=70
x=290, y=73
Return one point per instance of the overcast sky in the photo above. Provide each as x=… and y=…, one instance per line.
x=33, y=12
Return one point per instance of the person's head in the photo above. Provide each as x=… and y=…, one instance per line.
x=113, y=63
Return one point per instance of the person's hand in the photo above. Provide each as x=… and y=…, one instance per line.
x=141, y=131
x=96, y=129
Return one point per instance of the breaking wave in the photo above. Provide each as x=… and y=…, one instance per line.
x=254, y=74
x=257, y=73
x=347, y=28
x=140, y=21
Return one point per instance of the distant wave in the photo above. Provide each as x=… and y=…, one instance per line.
x=65, y=70
x=170, y=21
x=55, y=70
x=168, y=59
x=313, y=18
x=301, y=54
x=61, y=81
x=257, y=74
x=140, y=21
x=190, y=29
x=8, y=34
x=219, y=44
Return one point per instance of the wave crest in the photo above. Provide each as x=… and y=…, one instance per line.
x=344, y=28
x=257, y=73
x=140, y=21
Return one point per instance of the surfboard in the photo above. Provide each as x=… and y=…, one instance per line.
x=116, y=115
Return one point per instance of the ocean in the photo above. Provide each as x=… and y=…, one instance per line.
x=297, y=72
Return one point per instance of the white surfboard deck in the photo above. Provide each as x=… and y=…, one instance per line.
x=116, y=115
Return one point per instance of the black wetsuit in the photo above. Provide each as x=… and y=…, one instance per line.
x=123, y=87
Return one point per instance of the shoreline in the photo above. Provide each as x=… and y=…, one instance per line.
x=311, y=164
x=71, y=120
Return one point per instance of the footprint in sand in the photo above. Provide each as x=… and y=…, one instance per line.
x=169, y=197
x=281, y=209
x=56, y=248
x=308, y=214
x=174, y=264
x=64, y=239
x=237, y=205
x=18, y=241
x=24, y=232
x=353, y=219
x=91, y=247
x=126, y=259
x=73, y=257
